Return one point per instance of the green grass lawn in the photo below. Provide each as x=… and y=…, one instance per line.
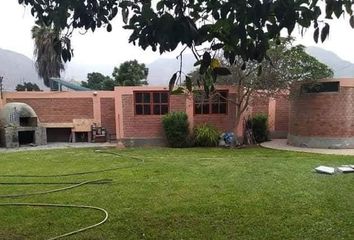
x=181, y=194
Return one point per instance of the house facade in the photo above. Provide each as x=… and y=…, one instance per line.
x=133, y=115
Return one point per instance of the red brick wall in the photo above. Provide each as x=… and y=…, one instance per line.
x=282, y=109
x=224, y=122
x=177, y=103
x=139, y=126
x=59, y=110
x=108, y=114
x=323, y=114
x=150, y=126
x=260, y=105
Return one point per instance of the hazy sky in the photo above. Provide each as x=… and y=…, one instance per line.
x=113, y=48
x=99, y=47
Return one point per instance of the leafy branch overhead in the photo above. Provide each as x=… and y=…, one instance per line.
x=209, y=69
x=240, y=28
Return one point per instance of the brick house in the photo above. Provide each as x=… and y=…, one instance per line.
x=133, y=115
x=139, y=112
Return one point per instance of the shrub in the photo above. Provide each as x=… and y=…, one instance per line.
x=259, y=125
x=176, y=128
x=206, y=135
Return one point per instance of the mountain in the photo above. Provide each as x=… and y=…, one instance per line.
x=78, y=72
x=340, y=67
x=17, y=68
x=161, y=70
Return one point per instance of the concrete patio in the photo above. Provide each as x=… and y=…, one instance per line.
x=281, y=144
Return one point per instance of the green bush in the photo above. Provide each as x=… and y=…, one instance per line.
x=176, y=128
x=206, y=135
x=259, y=125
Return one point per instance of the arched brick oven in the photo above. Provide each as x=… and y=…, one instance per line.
x=19, y=125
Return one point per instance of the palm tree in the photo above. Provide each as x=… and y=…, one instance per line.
x=47, y=51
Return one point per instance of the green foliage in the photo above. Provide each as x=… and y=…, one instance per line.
x=304, y=67
x=240, y=27
x=27, y=86
x=97, y=81
x=286, y=64
x=47, y=51
x=108, y=84
x=176, y=128
x=206, y=135
x=260, y=130
x=131, y=73
x=242, y=30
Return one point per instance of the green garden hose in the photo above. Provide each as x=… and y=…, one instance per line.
x=55, y=190
x=64, y=175
x=140, y=160
x=48, y=205
x=49, y=183
x=72, y=185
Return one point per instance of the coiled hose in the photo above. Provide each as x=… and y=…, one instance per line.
x=72, y=186
x=51, y=205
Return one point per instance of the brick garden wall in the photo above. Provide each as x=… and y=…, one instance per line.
x=59, y=110
x=108, y=114
x=223, y=122
x=259, y=105
x=147, y=126
x=177, y=103
x=323, y=114
x=139, y=126
x=103, y=108
x=282, y=114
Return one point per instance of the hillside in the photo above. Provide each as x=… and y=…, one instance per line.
x=17, y=68
x=340, y=67
x=160, y=70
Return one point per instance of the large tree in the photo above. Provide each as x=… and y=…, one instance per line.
x=48, y=61
x=98, y=81
x=287, y=64
x=131, y=73
x=48, y=52
x=241, y=28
